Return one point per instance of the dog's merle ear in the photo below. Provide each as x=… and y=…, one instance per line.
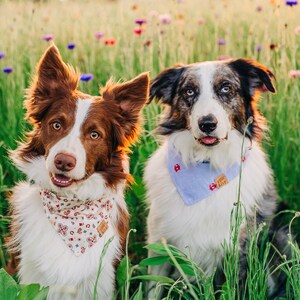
x=53, y=80
x=254, y=76
x=130, y=96
x=164, y=86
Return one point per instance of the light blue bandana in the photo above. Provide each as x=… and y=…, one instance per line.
x=197, y=182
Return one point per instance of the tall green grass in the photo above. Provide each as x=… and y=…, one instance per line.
x=184, y=40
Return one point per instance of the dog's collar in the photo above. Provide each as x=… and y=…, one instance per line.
x=79, y=224
x=197, y=182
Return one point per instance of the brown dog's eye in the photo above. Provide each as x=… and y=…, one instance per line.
x=56, y=125
x=95, y=135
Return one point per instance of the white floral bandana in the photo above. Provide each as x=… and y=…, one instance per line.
x=79, y=223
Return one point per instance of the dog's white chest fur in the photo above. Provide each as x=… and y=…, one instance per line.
x=202, y=228
x=46, y=259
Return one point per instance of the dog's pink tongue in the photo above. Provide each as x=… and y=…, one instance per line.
x=208, y=140
x=61, y=180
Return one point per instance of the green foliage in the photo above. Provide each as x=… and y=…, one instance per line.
x=10, y=290
x=122, y=271
x=139, y=294
x=9, y=287
x=100, y=266
x=32, y=292
x=154, y=261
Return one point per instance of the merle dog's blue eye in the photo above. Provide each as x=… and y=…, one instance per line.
x=190, y=92
x=225, y=89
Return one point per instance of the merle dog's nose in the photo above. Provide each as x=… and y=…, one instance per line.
x=208, y=123
x=64, y=162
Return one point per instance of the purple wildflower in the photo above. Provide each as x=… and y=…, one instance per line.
x=259, y=8
x=8, y=70
x=86, y=77
x=48, y=37
x=99, y=35
x=71, y=46
x=2, y=55
x=258, y=48
x=221, y=42
x=140, y=21
x=291, y=2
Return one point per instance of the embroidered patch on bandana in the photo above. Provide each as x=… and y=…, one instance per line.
x=197, y=182
x=80, y=224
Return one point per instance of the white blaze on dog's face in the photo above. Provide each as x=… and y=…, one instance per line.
x=68, y=155
x=208, y=119
x=211, y=99
x=76, y=134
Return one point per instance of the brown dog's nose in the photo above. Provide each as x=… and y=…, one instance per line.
x=64, y=162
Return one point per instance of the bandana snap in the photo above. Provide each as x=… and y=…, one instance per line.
x=79, y=224
x=197, y=182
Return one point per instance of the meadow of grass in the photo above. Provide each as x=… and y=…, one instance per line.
x=176, y=32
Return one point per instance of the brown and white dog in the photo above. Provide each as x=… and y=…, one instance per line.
x=193, y=193
x=76, y=164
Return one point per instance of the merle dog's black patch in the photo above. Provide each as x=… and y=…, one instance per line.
x=253, y=77
x=165, y=88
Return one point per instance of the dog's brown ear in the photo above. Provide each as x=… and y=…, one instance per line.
x=254, y=77
x=130, y=96
x=53, y=80
x=164, y=86
x=54, y=77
